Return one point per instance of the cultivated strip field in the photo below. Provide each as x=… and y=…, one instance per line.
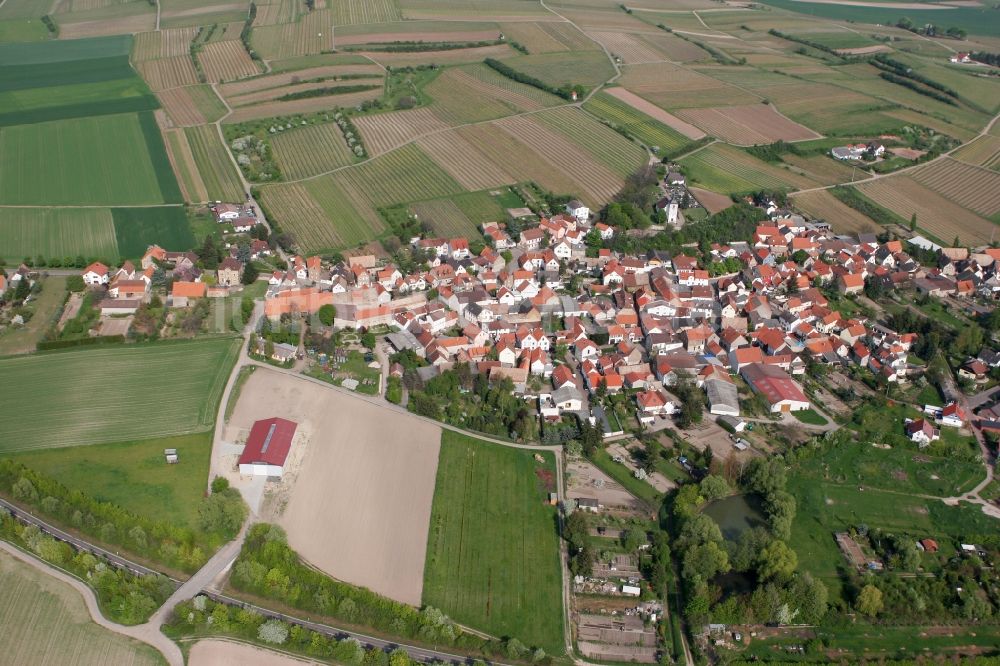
x=168, y=72
x=272, y=109
x=384, y=131
x=163, y=44
x=360, y=505
x=214, y=164
x=747, y=125
x=302, y=216
x=468, y=166
x=146, y=391
x=225, y=61
x=984, y=151
x=547, y=36
x=346, y=38
x=446, y=218
x=279, y=94
x=448, y=57
x=821, y=168
x=184, y=105
x=182, y=159
x=56, y=232
x=644, y=128
x=310, y=151
x=730, y=170
x=329, y=72
x=406, y=174
x=822, y=205
x=973, y=187
x=47, y=624
x=457, y=100
x=348, y=12
x=904, y=196
x=712, y=201
x=313, y=33
x=493, y=550
x=597, y=180
x=603, y=143
x=656, y=113
x=277, y=11
x=215, y=652
x=629, y=47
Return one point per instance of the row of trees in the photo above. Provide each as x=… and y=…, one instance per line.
x=269, y=568
x=123, y=596
x=161, y=541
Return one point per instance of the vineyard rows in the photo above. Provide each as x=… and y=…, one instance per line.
x=984, y=151
x=310, y=151
x=603, y=143
x=403, y=175
x=445, y=218
x=225, y=61
x=168, y=72
x=974, y=187
x=351, y=12
x=384, y=131
x=214, y=164
x=639, y=125
x=459, y=158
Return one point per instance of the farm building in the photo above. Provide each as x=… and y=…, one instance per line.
x=94, y=274
x=267, y=447
x=777, y=387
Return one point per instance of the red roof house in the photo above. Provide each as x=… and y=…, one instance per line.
x=267, y=447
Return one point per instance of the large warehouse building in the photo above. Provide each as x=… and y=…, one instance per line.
x=267, y=447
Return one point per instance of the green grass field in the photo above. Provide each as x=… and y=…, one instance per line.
x=729, y=170
x=104, y=160
x=445, y=218
x=588, y=68
x=44, y=309
x=134, y=475
x=49, y=624
x=57, y=232
x=642, y=127
x=214, y=164
x=113, y=394
x=493, y=547
x=138, y=228
x=481, y=207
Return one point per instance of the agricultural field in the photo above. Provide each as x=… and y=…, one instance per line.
x=167, y=73
x=472, y=9
x=463, y=162
x=163, y=44
x=180, y=13
x=133, y=475
x=646, y=108
x=672, y=86
x=457, y=99
x=127, y=18
x=482, y=207
x=984, y=151
x=730, y=170
x=192, y=105
x=935, y=214
x=821, y=168
x=603, y=143
x=226, y=61
x=49, y=624
x=972, y=187
x=272, y=12
x=597, y=181
x=652, y=133
x=350, y=12
x=446, y=218
x=310, y=151
x=56, y=233
x=103, y=160
x=169, y=389
x=214, y=163
x=383, y=132
x=493, y=550
x=44, y=311
x=312, y=33
x=440, y=58
x=137, y=228
x=588, y=68
x=636, y=48
x=546, y=37
x=747, y=125
x=824, y=206
x=293, y=107
x=182, y=159
x=406, y=174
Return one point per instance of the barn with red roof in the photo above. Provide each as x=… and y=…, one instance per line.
x=267, y=447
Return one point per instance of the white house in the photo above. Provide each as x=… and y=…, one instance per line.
x=95, y=274
x=578, y=210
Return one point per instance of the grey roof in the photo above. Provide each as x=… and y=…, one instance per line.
x=566, y=393
x=722, y=393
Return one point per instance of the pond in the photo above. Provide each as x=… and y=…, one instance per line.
x=737, y=514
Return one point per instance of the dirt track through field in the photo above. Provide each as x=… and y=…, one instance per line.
x=360, y=505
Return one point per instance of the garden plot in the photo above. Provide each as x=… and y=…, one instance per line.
x=383, y=132
x=935, y=214
x=747, y=125
x=359, y=506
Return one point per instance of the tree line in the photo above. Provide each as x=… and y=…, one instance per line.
x=566, y=92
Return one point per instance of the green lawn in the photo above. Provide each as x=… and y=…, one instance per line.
x=493, y=546
x=120, y=393
x=134, y=475
x=622, y=475
x=810, y=416
x=101, y=160
x=44, y=309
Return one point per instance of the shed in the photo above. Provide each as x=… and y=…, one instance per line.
x=631, y=590
x=267, y=447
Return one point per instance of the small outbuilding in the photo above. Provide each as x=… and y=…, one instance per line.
x=267, y=447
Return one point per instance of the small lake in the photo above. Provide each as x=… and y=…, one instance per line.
x=737, y=514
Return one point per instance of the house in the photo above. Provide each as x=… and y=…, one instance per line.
x=283, y=352
x=850, y=283
x=95, y=274
x=960, y=58
x=567, y=399
x=578, y=210
x=225, y=212
x=928, y=545
x=782, y=393
x=182, y=292
x=652, y=404
x=953, y=416
x=267, y=447
x=922, y=432
x=230, y=272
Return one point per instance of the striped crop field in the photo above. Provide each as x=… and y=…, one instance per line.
x=182, y=159
x=445, y=218
x=523, y=97
x=984, y=151
x=146, y=391
x=382, y=132
x=56, y=232
x=281, y=79
x=351, y=12
x=973, y=187
x=730, y=170
x=481, y=207
x=820, y=204
x=272, y=12
x=603, y=143
x=594, y=178
x=214, y=164
x=310, y=151
x=163, y=44
x=635, y=123
x=468, y=166
x=168, y=72
x=935, y=214
x=312, y=33
x=226, y=61
x=457, y=102
x=404, y=175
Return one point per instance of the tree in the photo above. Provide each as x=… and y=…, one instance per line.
x=809, y=597
x=869, y=601
x=74, y=283
x=713, y=487
x=23, y=289
x=706, y=561
x=250, y=273
x=764, y=476
x=327, y=313
x=913, y=222
x=273, y=631
x=777, y=561
x=368, y=339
